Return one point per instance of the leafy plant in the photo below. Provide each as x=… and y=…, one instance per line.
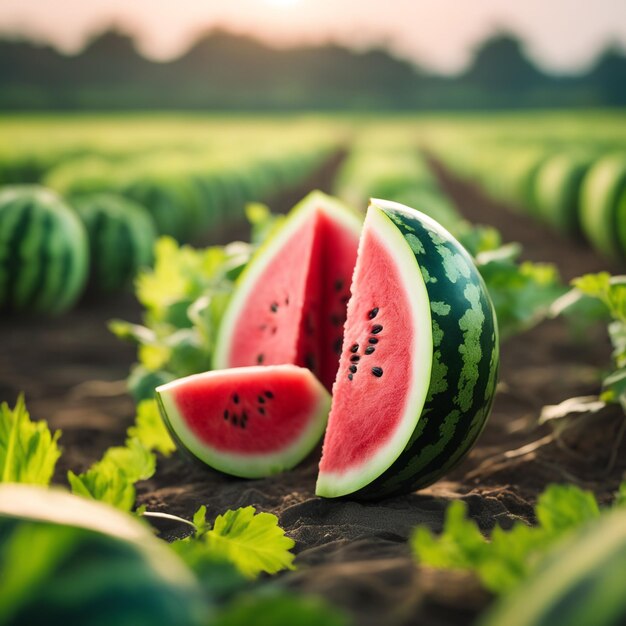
x=150, y=430
x=28, y=450
x=610, y=292
x=511, y=556
x=253, y=542
x=112, y=479
x=522, y=293
x=184, y=297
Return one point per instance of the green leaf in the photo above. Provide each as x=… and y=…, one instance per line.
x=252, y=542
x=620, y=496
x=280, y=609
x=28, y=450
x=150, y=430
x=511, y=556
x=112, y=479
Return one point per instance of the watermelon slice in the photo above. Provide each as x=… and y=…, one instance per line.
x=418, y=370
x=290, y=303
x=249, y=421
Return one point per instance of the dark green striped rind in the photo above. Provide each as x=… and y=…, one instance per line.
x=121, y=239
x=43, y=251
x=111, y=571
x=465, y=359
x=581, y=584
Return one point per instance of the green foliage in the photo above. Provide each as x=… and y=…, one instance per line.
x=150, y=430
x=279, y=609
x=112, y=479
x=262, y=221
x=522, y=293
x=610, y=291
x=28, y=450
x=184, y=298
x=511, y=556
x=253, y=542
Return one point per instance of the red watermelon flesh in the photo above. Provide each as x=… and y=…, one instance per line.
x=249, y=421
x=290, y=305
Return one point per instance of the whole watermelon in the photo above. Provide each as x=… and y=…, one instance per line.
x=76, y=562
x=121, y=239
x=44, y=257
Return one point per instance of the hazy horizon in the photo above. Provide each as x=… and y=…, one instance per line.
x=437, y=33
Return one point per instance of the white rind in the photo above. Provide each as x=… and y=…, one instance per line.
x=315, y=201
x=247, y=466
x=335, y=484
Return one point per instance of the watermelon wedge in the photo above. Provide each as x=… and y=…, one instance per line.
x=419, y=364
x=290, y=303
x=249, y=421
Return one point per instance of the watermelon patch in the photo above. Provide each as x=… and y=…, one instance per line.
x=248, y=422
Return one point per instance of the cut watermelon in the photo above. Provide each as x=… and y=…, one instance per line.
x=249, y=421
x=290, y=303
x=419, y=363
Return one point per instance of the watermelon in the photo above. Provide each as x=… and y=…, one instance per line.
x=290, y=302
x=557, y=191
x=44, y=256
x=248, y=421
x=121, y=238
x=419, y=363
x=581, y=583
x=73, y=561
x=603, y=205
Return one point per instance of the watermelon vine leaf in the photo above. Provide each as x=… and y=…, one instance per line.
x=253, y=542
x=112, y=479
x=28, y=450
x=150, y=430
x=510, y=556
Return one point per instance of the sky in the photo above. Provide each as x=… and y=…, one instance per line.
x=563, y=35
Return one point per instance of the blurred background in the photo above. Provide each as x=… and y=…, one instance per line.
x=271, y=55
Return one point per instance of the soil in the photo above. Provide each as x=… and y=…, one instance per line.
x=72, y=369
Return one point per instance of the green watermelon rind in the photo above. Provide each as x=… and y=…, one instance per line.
x=464, y=358
x=44, y=251
x=332, y=484
x=602, y=189
x=246, y=465
x=581, y=582
x=257, y=265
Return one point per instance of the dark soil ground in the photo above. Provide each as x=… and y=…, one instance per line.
x=356, y=555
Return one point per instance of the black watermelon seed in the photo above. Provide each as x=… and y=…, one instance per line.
x=369, y=349
x=377, y=371
x=335, y=320
x=236, y=398
x=337, y=345
x=287, y=301
x=354, y=347
x=355, y=358
x=339, y=284
x=226, y=414
x=309, y=361
x=234, y=420
x=373, y=313
x=373, y=340
x=350, y=376
x=260, y=358
x=376, y=329
x=353, y=369
x=269, y=394
x=274, y=307
x=261, y=410
x=261, y=400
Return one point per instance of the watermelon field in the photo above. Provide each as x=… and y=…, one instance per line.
x=401, y=402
